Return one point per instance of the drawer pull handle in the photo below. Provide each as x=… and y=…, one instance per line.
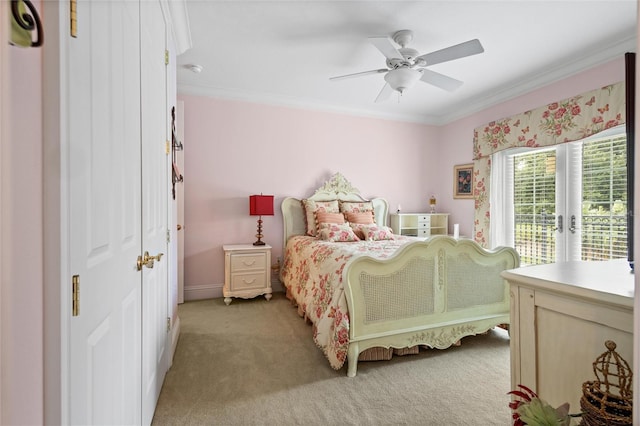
x=253, y=261
x=249, y=281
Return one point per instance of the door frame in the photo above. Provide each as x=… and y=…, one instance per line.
x=4, y=138
x=56, y=217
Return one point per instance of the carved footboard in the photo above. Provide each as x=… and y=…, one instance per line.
x=430, y=293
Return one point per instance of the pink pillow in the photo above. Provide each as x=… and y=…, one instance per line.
x=376, y=233
x=312, y=206
x=324, y=217
x=337, y=233
x=356, y=206
x=360, y=217
x=358, y=229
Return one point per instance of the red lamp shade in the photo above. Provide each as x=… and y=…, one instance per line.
x=261, y=205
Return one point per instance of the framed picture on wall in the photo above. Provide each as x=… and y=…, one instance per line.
x=463, y=181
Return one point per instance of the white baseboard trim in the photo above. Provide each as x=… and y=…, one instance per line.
x=213, y=291
x=206, y=291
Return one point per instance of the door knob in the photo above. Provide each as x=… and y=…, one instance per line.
x=179, y=227
x=156, y=257
x=148, y=260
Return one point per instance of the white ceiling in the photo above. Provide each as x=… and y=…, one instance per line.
x=283, y=52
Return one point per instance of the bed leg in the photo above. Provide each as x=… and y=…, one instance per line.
x=352, y=359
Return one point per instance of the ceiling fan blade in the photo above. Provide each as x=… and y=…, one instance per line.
x=385, y=93
x=468, y=48
x=384, y=45
x=359, y=74
x=440, y=80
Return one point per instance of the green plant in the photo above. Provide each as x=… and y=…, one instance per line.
x=529, y=409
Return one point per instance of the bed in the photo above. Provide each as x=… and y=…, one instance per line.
x=383, y=291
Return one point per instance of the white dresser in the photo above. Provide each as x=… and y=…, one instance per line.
x=246, y=271
x=420, y=224
x=561, y=315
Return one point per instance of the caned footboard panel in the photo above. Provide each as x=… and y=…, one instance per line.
x=404, y=293
x=430, y=293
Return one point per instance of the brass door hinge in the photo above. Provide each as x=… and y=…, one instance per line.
x=167, y=147
x=75, y=302
x=168, y=324
x=166, y=57
x=168, y=236
x=73, y=18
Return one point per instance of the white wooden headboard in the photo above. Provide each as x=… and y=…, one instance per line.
x=336, y=188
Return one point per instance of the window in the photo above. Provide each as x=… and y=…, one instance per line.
x=534, y=196
x=568, y=202
x=604, y=199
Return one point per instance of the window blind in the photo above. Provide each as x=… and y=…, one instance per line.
x=604, y=199
x=534, y=200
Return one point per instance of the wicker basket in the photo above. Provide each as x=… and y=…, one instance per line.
x=609, y=399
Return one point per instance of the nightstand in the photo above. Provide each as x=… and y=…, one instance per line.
x=246, y=271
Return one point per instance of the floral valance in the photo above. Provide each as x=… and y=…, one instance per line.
x=568, y=120
x=564, y=121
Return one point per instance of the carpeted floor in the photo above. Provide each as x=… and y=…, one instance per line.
x=254, y=363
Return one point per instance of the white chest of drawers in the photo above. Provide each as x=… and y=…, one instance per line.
x=246, y=271
x=420, y=224
x=561, y=315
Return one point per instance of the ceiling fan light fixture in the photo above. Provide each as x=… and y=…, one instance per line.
x=405, y=66
x=402, y=78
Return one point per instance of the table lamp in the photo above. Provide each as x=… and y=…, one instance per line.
x=260, y=205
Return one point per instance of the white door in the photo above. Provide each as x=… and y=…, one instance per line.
x=118, y=211
x=104, y=213
x=155, y=116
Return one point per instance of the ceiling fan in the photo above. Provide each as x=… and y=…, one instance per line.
x=405, y=66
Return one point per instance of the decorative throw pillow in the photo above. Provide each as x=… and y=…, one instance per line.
x=312, y=206
x=324, y=217
x=360, y=217
x=356, y=206
x=358, y=229
x=337, y=233
x=375, y=233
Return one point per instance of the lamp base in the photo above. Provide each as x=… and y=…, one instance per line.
x=259, y=234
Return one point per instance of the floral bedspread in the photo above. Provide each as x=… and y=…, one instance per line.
x=313, y=276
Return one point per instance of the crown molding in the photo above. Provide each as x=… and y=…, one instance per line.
x=524, y=85
x=291, y=102
x=535, y=81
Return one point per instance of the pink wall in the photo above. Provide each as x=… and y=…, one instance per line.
x=235, y=149
x=22, y=242
x=457, y=137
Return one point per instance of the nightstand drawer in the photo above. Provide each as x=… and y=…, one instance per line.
x=248, y=280
x=422, y=226
x=424, y=232
x=424, y=220
x=248, y=262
